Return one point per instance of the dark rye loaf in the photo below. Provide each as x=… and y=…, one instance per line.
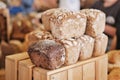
x=47, y=54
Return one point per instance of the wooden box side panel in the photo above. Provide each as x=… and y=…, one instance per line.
x=89, y=71
x=75, y=73
x=25, y=70
x=39, y=76
x=24, y=73
x=60, y=76
x=10, y=70
x=102, y=68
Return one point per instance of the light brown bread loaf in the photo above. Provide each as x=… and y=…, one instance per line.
x=66, y=24
x=45, y=16
x=87, y=46
x=72, y=49
x=95, y=21
x=100, y=45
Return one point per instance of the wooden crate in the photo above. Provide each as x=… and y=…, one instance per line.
x=92, y=69
x=11, y=65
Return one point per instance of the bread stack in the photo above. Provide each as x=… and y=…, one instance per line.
x=95, y=28
x=78, y=37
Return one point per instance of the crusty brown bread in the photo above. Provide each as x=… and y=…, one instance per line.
x=87, y=46
x=95, y=21
x=47, y=53
x=100, y=45
x=66, y=24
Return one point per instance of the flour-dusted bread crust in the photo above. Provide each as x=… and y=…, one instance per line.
x=72, y=49
x=100, y=45
x=37, y=35
x=87, y=46
x=45, y=16
x=66, y=24
x=95, y=21
x=47, y=53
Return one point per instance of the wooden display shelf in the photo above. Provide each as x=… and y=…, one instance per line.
x=91, y=69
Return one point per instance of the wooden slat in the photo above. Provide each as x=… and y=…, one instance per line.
x=39, y=76
x=75, y=73
x=89, y=71
x=59, y=76
x=25, y=70
x=101, y=69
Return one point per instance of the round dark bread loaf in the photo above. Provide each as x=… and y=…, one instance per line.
x=47, y=54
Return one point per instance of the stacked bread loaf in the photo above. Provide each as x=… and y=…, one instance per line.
x=73, y=36
x=95, y=28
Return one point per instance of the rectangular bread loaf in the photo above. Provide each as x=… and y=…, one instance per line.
x=95, y=21
x=45, y=16
x=100, y=45
x=72, y=49
x=67, y=24
x=87, y=46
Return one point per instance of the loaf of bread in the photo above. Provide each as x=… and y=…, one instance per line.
x=66, y=24
x=36, y=36
x=87, y=46
x=114, y=57
x=45, y=16
x=72, y=49
x=47, y=53
x=114, y=74
x=100, y=45
x=95, y=21
x=113, y=66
